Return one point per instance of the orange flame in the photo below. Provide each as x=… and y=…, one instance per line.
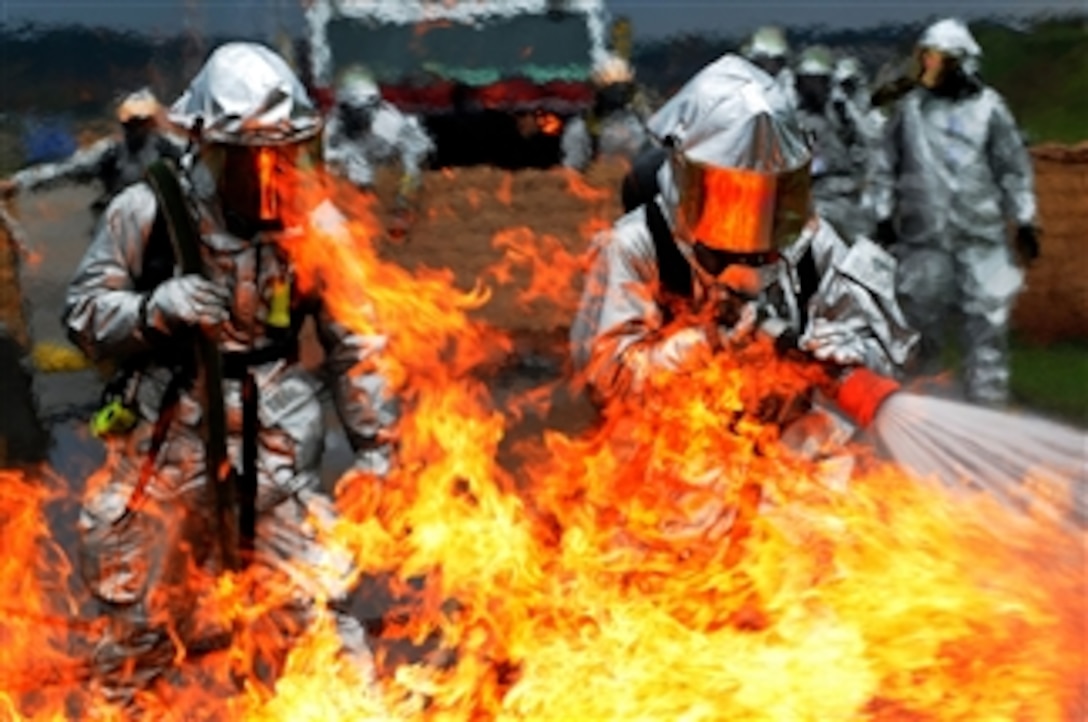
x=677, y=561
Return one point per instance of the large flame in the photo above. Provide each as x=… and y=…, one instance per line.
x=676, y=562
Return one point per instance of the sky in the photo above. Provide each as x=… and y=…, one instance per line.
x=654, y=18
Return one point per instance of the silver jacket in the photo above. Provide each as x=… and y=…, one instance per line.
x=953, y=167
x=109, y=161
x=621, y=134
x=103, y=317
x=617, y=337
x=392, y=136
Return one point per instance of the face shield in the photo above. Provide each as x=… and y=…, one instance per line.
x=773, y=65
x=737, y=213
x=735, y=222
x=256, y=184
x=137, y=131
x=355, y=118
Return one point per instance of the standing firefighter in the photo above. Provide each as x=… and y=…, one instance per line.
x=364, y=133
x=953, y=173
x=839, y=145
x=730, y=245
x=616, y=126
x=769, y=50
x=115, y=163
x=150, y=517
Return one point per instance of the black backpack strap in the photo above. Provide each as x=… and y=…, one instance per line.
x=673, y=270
x=184, y=234
x=639, y=185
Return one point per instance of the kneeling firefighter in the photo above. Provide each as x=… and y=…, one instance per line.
x=730, y=246
x=192, y=261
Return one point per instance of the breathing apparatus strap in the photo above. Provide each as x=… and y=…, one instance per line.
x=185, y=239
x=673, y=270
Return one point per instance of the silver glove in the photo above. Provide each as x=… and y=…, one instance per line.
x=834, y=342
x=190, y=300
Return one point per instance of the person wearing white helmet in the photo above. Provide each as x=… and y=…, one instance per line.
x=114, y=162
x=616, y=125
x=730, y=247
x=952, y=175
x=840, y=148
x=768, y=49
x=364, y=132
x=148, y=519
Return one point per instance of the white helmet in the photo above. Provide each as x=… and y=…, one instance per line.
x=848, y=68
x=766, y=42
x=612, y=69
x=357, y=89
x=246, y=94
x=951, y=37
x=816, y=60
x=139, y=105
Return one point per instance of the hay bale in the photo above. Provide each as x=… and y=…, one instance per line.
x=1054, y=306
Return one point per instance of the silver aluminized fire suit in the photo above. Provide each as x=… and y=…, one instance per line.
x=620, y=134
x=730, y=112
x=140, y=545
x=840, y=148
x=615, y=126
x=390, y=136
x=116, y=163
x=952, y=173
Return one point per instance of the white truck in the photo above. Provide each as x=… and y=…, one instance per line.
x=494, y=82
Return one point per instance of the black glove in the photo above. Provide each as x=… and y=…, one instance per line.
x=885, y=233
x=1027, y=244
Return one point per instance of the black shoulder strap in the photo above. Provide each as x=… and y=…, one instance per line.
x=158, y=261
x=184, y=234
x=181, y=227
x=673, y=270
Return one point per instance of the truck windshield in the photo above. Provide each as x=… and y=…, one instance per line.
x=540, y=48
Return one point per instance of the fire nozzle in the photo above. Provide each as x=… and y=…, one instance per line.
x=860, y=393
x=857, y=391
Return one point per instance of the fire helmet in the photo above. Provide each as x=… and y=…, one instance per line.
x=951, y=37
x=612, y=70
x=816, y=60
x=768, y=49
x=848, y=69
x=766, y=42
x=246, y=94
x=357, y=89
x=139, y=105
x=257, y=128
x=738, y=159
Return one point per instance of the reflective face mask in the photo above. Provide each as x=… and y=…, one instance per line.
x=255, y=183
x=732, y=216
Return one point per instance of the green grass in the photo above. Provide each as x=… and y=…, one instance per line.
x=1043, y=74
x=1052, y=379
x=1049, y=379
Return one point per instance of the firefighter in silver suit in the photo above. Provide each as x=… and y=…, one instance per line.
x=730, y=247
x=115, y=163
x=365, y=132
x=142, y=535
x=952, y=176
